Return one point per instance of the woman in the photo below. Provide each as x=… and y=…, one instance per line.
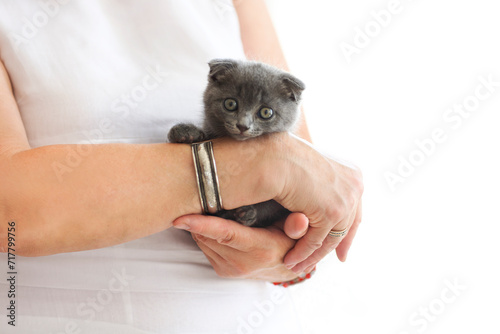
x=95, y=249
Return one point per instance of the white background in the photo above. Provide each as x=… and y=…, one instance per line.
x=442, y=223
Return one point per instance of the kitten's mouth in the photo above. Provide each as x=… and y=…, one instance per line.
x=241, y=136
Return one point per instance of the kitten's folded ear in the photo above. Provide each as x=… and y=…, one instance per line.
x=293, y=87
x=219, y=68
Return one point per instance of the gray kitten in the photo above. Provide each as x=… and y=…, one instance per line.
x=245, y=99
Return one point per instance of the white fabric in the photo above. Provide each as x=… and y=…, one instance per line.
x=124, y=71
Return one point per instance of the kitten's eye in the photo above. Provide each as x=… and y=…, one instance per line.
x=266, y=113
x=230, y=104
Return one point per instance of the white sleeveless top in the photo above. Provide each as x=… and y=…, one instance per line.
x=111, y=71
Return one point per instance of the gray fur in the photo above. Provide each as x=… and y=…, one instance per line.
x=253, y=86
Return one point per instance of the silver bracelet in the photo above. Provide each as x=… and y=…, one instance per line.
x=206, y=176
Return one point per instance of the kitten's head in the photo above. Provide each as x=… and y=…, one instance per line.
x=245, y=99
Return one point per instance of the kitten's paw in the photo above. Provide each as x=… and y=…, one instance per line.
x=185, y=134
x=246, y=215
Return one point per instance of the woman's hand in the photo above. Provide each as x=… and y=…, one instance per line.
x=327, y=192
x=239, y=251
x=291, y=171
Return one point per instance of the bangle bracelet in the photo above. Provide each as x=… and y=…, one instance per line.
x=297, y=280
x=206, y=177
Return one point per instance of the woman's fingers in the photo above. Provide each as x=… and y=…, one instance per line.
x=211, y=255
x=235, y=250
x=306, y=246
x=346, y=243
x=224, y=251
x=225, y=232
x=313, y=242
x=310, y=252
x=219, y=264
x=328, y=245
x=340, y=244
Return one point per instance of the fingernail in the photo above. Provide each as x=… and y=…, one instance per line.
x=290, y=265
x=182, y=226
x=297, y=270
x=309, y=269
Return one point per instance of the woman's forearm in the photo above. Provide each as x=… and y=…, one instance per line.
x=63, y=200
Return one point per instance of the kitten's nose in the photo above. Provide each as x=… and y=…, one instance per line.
x=242, y=128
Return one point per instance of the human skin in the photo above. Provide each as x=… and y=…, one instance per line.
x=122, y=192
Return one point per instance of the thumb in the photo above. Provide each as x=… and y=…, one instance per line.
x=296, y=225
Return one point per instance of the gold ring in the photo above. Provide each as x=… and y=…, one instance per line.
x=338, y=234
